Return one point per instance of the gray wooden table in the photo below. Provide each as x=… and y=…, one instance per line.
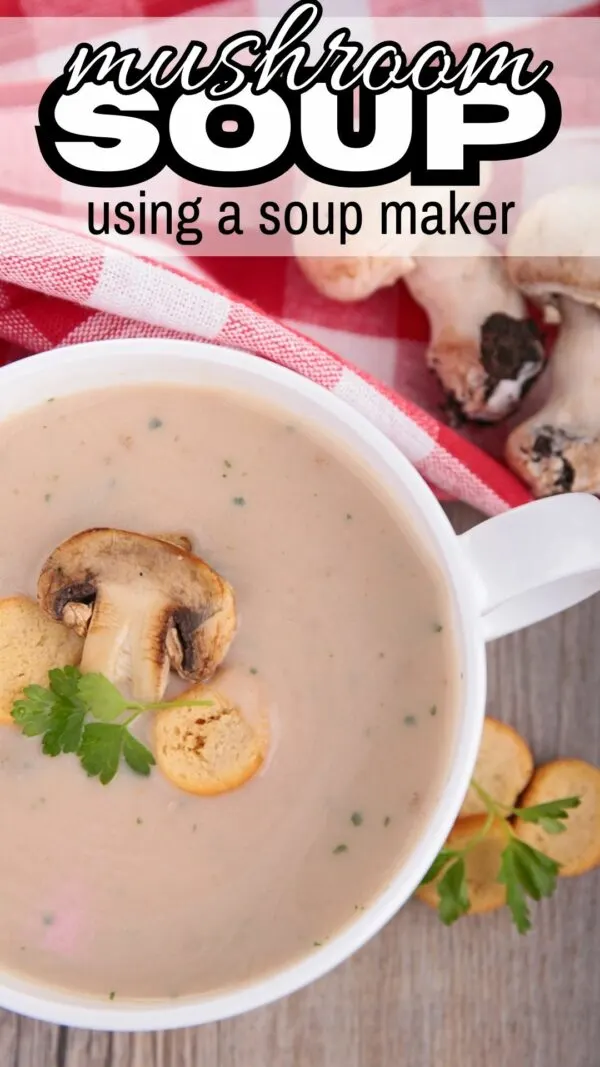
x=420, y=995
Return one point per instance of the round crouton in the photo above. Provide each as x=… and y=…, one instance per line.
x=482, y=865
x=207, y=750
x=577, y=850
x=31, y=644
x=504, y=767
x=178, y=539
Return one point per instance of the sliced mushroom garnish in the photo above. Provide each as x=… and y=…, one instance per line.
x=144, y=604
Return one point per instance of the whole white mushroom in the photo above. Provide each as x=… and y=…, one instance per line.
x=554, y=257
x=484, y=348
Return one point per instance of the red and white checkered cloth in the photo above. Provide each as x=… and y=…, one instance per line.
x=59, y=286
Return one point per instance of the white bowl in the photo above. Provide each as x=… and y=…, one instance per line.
x=507, y=572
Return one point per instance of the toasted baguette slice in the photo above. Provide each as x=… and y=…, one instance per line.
x=578, y=848
x=504, y=767
x=31, y=644
x=207, y=750
x=482, y=866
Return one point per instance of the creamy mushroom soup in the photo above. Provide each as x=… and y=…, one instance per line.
x=137, y=889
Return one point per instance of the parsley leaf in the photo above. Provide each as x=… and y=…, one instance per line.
x=441, y=861
x=515, y=897
x=64, y=731
x=551, y=815
x=136, y=755
x=535, y=870
x=100, y=750
x=101, y=698
x=526, y=872
x=551, y=826
x=452, y=889
x=33, y=713
x=64, y=682
x=103, y=744
x=56, y=712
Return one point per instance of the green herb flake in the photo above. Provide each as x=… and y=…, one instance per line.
x=348, y=516
x=317, y=944
x=387, y=820
x=112, y=995
x=154, y=423
x=410, y=720
x=50, y=399
x=339, y=849
x=254, y=670
x=437, y=627
x=433, y=709
x=356, y=818
x=48, y=918
x=139, y=821
x=239, y=501
x=226, y=463
x=47, y=497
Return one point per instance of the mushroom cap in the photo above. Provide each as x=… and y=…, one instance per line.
x=555, y=249
x=190, y=608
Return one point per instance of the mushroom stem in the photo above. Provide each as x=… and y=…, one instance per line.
x=122, y=642
x=483, y=347
x=558, y=449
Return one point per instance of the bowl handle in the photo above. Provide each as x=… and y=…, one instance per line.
x=534, y=561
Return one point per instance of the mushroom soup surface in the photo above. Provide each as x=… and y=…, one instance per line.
x=136, y=889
